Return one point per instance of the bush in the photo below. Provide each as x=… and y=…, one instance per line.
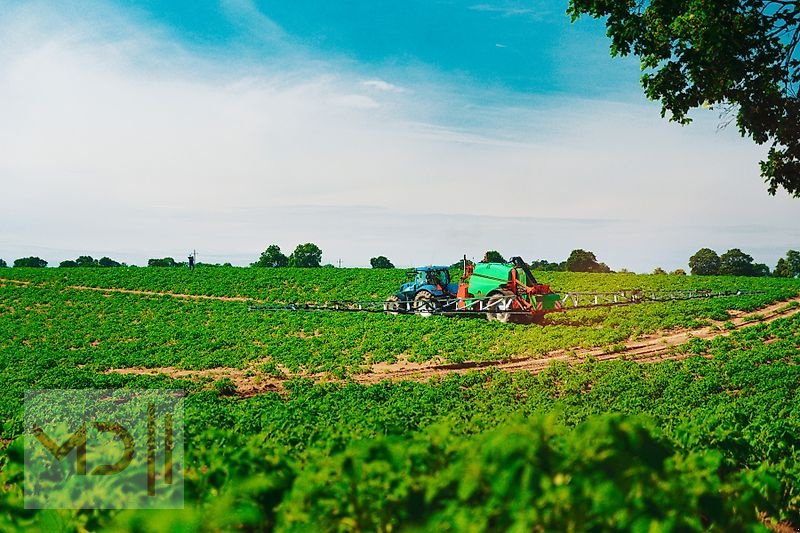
x=380, y=262
x=225, y=387
x=107, y=262
x=30, y=262
x=272, y=257
x=165, y=262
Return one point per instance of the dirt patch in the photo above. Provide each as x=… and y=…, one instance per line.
x=144, y=293
x=647, y=349
x=172, y=294
x=18, y=282
x=248, y=381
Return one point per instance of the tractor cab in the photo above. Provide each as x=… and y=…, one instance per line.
x=432, y=279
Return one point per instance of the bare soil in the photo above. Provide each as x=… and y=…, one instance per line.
x=17, y=281
x=172, y=294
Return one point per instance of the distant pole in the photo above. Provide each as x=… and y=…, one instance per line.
x=192, y=259
x=340, y=263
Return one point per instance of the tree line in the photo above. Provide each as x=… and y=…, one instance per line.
x=734, y=262
x=705, y=262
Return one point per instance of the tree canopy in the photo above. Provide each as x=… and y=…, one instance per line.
x=735, y=262
x=107, y=262
x=741, y=55
x=547, y=266
x=583, y=261
x=782, y=269
x=381, y=262
x=705, y=262
x=164, y=262
x=793, y=261
x=30, y=262
x=493, y=256
x=307, y=255
x=3, y=264
x=272, y=257
x=86, y=261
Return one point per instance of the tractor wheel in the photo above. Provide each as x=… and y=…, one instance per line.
x=392, y=305
x=497, y=303
x=425, y=303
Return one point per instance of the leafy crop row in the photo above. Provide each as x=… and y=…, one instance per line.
x=312, y=285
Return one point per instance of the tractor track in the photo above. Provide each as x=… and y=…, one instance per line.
x=652, y=348
x=648, y=349
x=143, y=292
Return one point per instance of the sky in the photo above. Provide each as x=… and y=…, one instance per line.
x=419, y=130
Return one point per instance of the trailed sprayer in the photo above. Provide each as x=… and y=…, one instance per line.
x=504, y=292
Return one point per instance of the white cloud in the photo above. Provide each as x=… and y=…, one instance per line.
x=382, y=85
x=356, y=101
x=513, y=9
x=246, y=15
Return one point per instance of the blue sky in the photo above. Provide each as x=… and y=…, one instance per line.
x=416, y=130
x=521, y=46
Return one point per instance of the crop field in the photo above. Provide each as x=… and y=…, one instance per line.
x=662, y=416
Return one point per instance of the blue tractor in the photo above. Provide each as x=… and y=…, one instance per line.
x=423, y=294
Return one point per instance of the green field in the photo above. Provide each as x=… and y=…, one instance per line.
x=709, y=441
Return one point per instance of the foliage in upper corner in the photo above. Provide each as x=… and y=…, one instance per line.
x=739, y=54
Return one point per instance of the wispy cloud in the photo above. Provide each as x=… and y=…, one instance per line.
x=245, y=14
x=381, y=85
x=513, y=9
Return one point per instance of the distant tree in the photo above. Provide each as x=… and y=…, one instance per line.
x=793, y=260
x=107, y=262
x=546, y=266
x=328, y=265
x=380, y=262
x=625, y=271
x=782, y=269
x=272, y=257
x=735, y=262
x=705, y=262
x=603, y=268
x=659, y=272
x=678, y=272
x=493, y=256
x=69, y=263
x=86, y=261
x=307, y=255
x=583, y=261
x=760, y=270
x=3, y=264
x=460, y=264
x=30, y=262
x=164, y=262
